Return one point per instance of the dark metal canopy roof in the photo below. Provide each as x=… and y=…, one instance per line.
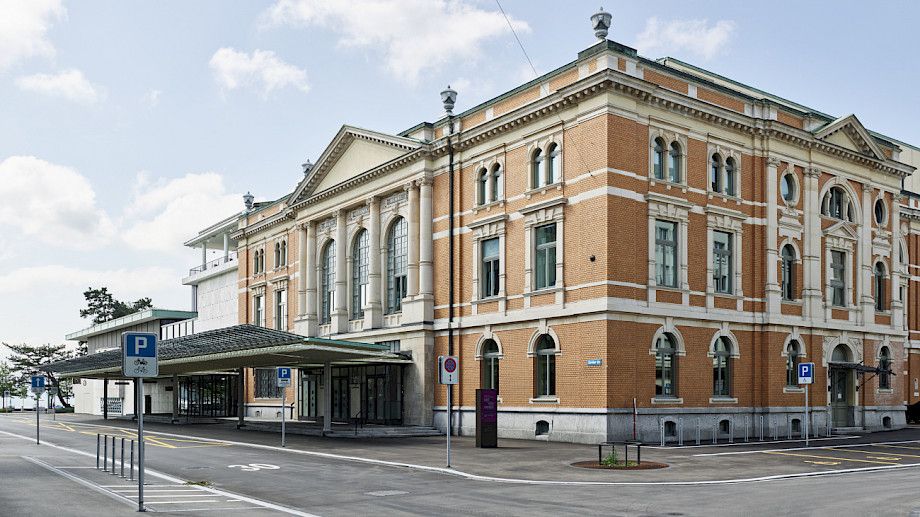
x=859, y=367
x=231, y=347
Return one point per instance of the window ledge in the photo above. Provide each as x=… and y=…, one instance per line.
x=848, y=308
x=793, y=389
x=667, y=400
x=882, y=313
x=543, y=189
x=544, y=400
x=884, y=391
x=793, y=302
x=545, y=290
x=260, y=283
x=728, y=296
x=668, y=184
x=485, y=207
x=722, y=196
x=491, y=299
x=723, y=400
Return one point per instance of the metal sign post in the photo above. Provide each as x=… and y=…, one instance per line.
x=140, y=356
x=284, y=380
x=806, y=377
x=38, y=387
x=448, y=374
x=52, y=392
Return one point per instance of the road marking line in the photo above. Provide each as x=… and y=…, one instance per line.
x=81, y=481
x=186, y=502
x=211, y=509
x=901, y=447
x=831, y=458
x=755, y=451
x=477, y=477
x=172, y=479
x=882, y=452
x=740, y=444
x=822, y=462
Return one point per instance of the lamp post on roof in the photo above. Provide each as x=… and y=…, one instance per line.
x=600, y=22
x=247, y=200
x=307, y=167
x=449, y=98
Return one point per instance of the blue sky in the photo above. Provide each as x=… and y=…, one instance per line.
x=127, y=126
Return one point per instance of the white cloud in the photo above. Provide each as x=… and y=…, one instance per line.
x=53, y=203
x=126, y=282
x=414, y=35
x=697, y=37
x=165, y=213
x=24, y=26
x=69, y=84
x=152, y=98
x=261, y=70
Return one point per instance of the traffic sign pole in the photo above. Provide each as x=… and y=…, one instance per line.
x=448, y=374
x=806, y=376
x=806, y=414
x=283, y=377
x=139, y=409
x=38, y=399
x=448, y=424
x=283, y=390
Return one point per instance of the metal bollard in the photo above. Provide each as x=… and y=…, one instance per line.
x=132, y=461
x=715, y=433
x=114, y=472
x=122, y=456
x=788, y=429
x=680, y=431
x=747, y=422
x=761, y=427
x=97, y=451
x=661, y=432
x=731, y=430
x=105, y=453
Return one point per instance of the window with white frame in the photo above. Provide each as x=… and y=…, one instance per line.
x=675, y=164
x=731, y=179
x=545, y=256
x=666, y=253
x=397, y=264
x=491, y=267
x=788, y=272
x=722, y=262
x=266, y=384
x=536, y=168
x=497, y=185
x=554, y=164
x=878, y=276
x=880, y=212
x=793, y=355
x=327, y=282
x=658, y=155
x=489, y=366
x=277, y=254
x=258, y=310
x=838, y=278
x=359, y=264
x=837, y=204
x=721, y=367
x=666, y=366
x=482, y=186
x=283, y=253
x=715, y=173
x=545, y=367
x=281, y=312
x=545, y=165
x=884, y=365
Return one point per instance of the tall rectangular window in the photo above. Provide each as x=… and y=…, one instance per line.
x=281, y=309
x=838, y=274
x=666, y=253
x=545, y=254
x=258, y=312
x=266, y=384
x=359, y=276
x=722, y=262
x=490, y=267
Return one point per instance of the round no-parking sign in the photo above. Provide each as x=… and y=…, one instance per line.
x=449, y=369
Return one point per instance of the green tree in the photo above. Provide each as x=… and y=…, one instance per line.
x=9, y=382
x=26, y=361
x=102, y=306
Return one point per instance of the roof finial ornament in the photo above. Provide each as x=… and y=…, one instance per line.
x=307, y=167
x=247, y=200
x=600, y=22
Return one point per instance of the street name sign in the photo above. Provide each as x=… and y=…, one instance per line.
x=284, y=377
x=139, y=354
x=806, y=373
x=449, y=369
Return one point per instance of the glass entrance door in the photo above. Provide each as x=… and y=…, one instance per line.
x=340, y=406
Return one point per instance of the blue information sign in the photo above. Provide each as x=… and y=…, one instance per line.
x=38, y=383
x=284, y=377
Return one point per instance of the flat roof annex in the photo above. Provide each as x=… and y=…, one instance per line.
x=239, y=346
x=129, y=321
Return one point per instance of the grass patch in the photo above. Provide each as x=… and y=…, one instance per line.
x=203, y=482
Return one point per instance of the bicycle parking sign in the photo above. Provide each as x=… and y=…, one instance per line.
x=139, y=352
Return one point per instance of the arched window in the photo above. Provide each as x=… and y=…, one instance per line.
x=545, y=367
x=884, y=364
x=658, y=159
x=255, y=261
x=283, y=253
x=359, y=275
x=792, y=363
x=536, y=168
x=730, y=177
x=261, y=261
x=674, y=164
x=666, y=366
x=715, y=174
x=554, y=167
x=327, y=279
x=879, y=275
x=489, y=369
x=497, y=182
x=482, y=186
x=788, y=285
x=397, y=264
x=721, y=367
x=837, y=204
x=277, y=254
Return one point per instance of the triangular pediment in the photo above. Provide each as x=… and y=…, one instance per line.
x=842, y=229
x=849, y=133
x=352, y=152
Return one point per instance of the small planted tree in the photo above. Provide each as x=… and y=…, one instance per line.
x=27, y=360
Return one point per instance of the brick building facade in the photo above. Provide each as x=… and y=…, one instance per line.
x=638, y=244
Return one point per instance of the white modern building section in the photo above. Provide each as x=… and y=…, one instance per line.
x=214, y=280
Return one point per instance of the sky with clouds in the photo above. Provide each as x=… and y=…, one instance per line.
x=125, y=127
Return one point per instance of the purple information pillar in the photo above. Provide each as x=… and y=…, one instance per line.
x=486, y=418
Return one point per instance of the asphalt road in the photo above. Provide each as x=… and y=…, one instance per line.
x=269, y=481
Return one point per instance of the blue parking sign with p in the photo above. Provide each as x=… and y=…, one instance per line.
x=806, y=373
x=139, y=354
x=284, y=377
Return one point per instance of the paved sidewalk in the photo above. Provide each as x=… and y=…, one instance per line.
x=550, y=461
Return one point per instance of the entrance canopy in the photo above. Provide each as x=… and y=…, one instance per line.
x=240, y=346
x=859, y=367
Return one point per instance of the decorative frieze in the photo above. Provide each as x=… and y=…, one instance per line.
x=326, y=225
x=395, y=199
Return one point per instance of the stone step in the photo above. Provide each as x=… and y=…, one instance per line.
x=847, y=430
